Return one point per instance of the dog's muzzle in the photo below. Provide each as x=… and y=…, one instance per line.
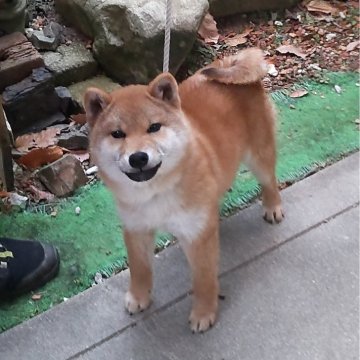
x=143, y=175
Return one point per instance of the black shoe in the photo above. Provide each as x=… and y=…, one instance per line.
x=25, y=265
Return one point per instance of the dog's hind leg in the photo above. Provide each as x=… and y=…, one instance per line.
x=140, y=248
x=262, y=165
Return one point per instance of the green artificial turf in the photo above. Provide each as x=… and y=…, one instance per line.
x=319, y=130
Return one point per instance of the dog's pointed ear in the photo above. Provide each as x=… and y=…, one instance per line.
x=95, y=101
x=165, y=87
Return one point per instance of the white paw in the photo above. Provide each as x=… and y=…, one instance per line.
x=201, y=323
x=274, y=214
x=136, y=304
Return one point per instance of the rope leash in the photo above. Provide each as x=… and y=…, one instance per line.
x=167, y=36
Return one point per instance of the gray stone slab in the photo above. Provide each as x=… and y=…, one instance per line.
x=298, y=302
x=102, y=82
x=306, y=203
x=70, y=64
x=98, y=314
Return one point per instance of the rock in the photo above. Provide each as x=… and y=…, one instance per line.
x=44, y=42
x=18, y=58
x=73, y=140
x=230, y=7
x=53, y=29
x=49, y=120
x=68, y=105
x=70, y=63
x=12, y=16
x=63, y=176
x=102, y=82
x=129, y=35
x=31, y=101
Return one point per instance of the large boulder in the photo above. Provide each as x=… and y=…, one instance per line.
x=230, y=7
x=12, y=16
x=129, y=35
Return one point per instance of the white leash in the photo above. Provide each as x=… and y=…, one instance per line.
x=167, y=36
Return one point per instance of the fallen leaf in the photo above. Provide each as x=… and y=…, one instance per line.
x=327, y=18
x=36, y=297
x=321, y=6
x=41, y=139
x=238, y=39
x=79, y=119
x=38, y=157
x=291, y=49
x=299, y=93
x=208, y=30
x=81, y=155
x=4, y=194
x=353, y=45
x=40, y=194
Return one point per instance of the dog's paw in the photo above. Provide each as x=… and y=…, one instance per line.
x=274, y=214
x=201, y=322
x=136, y=304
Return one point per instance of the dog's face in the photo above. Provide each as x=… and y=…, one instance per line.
x=138, y=133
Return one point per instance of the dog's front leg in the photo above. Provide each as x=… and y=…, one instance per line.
x=140, y=248
x=203, y=256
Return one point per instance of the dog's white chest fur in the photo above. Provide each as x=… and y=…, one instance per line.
x=165, y=212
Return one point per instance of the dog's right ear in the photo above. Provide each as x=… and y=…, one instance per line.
x=165, y=88
x=95, y=101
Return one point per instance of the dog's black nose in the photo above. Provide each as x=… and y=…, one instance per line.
x=138, y=160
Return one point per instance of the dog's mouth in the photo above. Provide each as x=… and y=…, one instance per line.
x=143, y=175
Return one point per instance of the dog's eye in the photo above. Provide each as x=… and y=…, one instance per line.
x=154, y=128
x=118, y=134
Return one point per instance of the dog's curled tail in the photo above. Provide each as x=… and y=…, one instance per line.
x=247, y=66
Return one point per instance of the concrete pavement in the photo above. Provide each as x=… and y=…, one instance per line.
x=291, y=291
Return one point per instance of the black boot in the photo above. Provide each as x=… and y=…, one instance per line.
x=25, y=265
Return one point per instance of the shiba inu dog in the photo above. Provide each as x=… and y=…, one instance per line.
x=168, y=153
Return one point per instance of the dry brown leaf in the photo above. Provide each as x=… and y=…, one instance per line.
x=291, y=49
x=41, y=139
x=4, y=194
x=38, y=157
x=208, y=30
x=40, y=194
x=321, y=6
x=81, y=155
x=353, y=45
x=299, y=93
x=79, y=119
x=36, y=297
x=238, y=39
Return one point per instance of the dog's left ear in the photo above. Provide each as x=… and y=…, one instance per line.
x=164, y=87
x=95, y=102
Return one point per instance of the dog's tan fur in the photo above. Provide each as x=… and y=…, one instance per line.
x=210, y=123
